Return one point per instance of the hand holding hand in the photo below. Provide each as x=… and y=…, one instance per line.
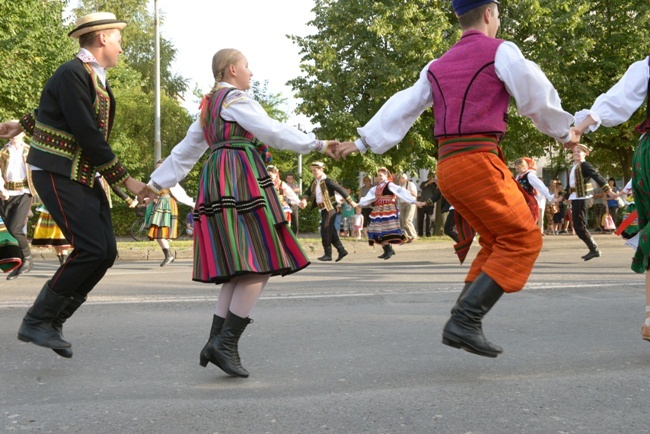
x=332, y=147
x=420, y=204
x=302, y=204
x=345, y=148
x=576, y=135
x=10, y=129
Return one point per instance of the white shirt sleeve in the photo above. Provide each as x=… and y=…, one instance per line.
x=402, y=193
x=394, y=119
x=289, y=195
x=369, y=198
x=182, y=158
x=251, y=116
x=181, y=196
x=539, y=185
x=534, y=94
x=620, y=102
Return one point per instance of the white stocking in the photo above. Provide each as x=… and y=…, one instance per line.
x=248, y=291
x=225, y=297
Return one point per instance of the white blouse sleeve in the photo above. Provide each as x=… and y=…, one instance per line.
x=534, y=94
x=620, y=102
x=181, y=196
x=402, y=193
x=369, y=198
x=394, y=119
x=539, y=186
x=290, y=196
x=248, y=113
x=182, y=158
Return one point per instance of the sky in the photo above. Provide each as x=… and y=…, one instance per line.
x=199, y=28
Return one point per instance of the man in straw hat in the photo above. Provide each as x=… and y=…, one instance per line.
x=322, y=194
x=580, y=190
x=470, y=88
x=69, y=147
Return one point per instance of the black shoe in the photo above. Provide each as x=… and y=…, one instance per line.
x=24, y=268
x=57, y=324
x=342, y=254
x=37, y=325
x=217, y=325
x=591, y=255
x=383, y=255
x=464, y=329
x=325, y=258
x=168, y=260
x=389, y=252
x=223, y=351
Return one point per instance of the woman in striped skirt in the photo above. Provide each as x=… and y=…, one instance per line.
x=241, y=236
x=384, y=228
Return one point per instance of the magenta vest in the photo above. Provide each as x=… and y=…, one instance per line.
x=468, y=97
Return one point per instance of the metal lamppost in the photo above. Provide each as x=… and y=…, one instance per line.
x=157, y=147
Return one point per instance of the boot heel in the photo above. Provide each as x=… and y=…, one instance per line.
x=203, y=361
x=23, y=338
x=450, y=343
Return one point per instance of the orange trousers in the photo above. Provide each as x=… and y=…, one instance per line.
x=481, y=188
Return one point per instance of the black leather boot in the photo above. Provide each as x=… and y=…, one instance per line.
x=328, y=254
x=217, y=324
x=37, y=325
x=593, y=249
x=24, y=268
x=66, y=313
x=342, y=254
x=383, y=256
x=389, y=251
x=464, y=329
x=222, y=350
x=169, y=258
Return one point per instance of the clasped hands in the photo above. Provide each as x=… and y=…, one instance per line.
x=337, y=150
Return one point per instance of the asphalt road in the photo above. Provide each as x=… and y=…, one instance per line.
x=349, y=347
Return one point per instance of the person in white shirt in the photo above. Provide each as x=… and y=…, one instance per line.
x=614, y=107
x=533, y=186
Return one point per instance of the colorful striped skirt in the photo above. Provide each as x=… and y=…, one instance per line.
x=10, y=254
x=47, y=233
x=384, y=223
x=641, y=190
x=239, y=224
x=162, y=219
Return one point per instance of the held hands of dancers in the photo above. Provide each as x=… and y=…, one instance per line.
x=10, y=129
x=344, y=149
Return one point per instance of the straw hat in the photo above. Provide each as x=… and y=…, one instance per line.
x=583, y=148
x=96, y=21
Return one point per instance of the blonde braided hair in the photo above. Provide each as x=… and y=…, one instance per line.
x=221, y=60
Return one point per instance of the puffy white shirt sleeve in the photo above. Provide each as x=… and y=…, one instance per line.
x=535, y=96
x=620, y=102
x=181, y=196
x=394, y=119
x=539, y=186
x=289, y=195
x=402, y=193
x=369, y=198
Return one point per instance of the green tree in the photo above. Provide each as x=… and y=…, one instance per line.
x=364, y=51
x=29, y=52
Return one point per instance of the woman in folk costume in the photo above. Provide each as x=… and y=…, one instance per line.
x=287, y=196
x=162, y=217
x=241, y=236
x=469, y=88
x=48, y=234
x=612, y=108
x=533, y=186
x=384, y=228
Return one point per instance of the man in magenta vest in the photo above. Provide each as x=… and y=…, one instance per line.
x=470, y=87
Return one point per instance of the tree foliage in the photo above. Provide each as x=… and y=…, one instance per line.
x=28, y=51
x=364, y=51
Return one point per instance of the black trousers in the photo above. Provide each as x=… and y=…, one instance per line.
x=84, y=216
x=15, y=210
x=579, y=211
x=295, y=219
x=425, y=221
x=450, y=226
x=328, y=233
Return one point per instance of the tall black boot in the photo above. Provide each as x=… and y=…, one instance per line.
x=464, y=329
x=389, y=251
x=222, y=350
x=37, y=324
x=593, y=249
x=217, y=324
x=328, y=254
x=66, y=313
x=385, y=248
x=168, y=258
